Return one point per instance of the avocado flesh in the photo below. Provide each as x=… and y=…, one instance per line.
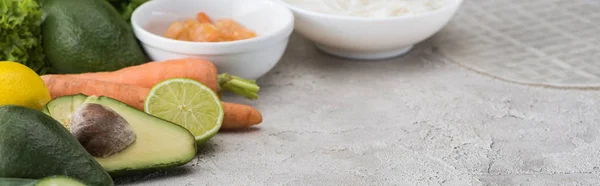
x=61, y=108
x=58, y=181
x=158, y=144
x=34, y=146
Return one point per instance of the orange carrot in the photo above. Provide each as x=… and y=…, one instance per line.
x=64, y=86
x=240, y=116
x=149, y=74
x=236, y=115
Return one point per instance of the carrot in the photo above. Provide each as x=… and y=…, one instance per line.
x=150, y=74
x=239, y=116
x=236, y=115
x=64, y=86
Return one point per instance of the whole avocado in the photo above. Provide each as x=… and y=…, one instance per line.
x=33, y=146
x=88, y=36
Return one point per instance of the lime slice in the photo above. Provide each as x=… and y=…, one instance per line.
x=188, y=103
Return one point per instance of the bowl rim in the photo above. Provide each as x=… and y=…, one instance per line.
x=456, y=4
x=152, y=38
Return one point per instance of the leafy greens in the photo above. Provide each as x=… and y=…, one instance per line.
x=20, y=34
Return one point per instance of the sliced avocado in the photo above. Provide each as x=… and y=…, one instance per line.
x=159, y=143
x=35, y=146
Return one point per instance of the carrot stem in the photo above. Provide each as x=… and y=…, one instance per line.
x=242, y=87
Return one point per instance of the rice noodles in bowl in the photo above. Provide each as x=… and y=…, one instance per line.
x=369, y=29
x=368, y=8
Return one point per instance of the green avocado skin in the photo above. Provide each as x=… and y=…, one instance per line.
x=88, y=36
x=35, y=146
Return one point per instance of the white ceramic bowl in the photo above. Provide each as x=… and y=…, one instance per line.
x=250, y=59
x=370, y=38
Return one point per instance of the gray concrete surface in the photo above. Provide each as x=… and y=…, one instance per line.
x=412, y=120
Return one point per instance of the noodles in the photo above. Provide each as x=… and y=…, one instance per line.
x=369, y=8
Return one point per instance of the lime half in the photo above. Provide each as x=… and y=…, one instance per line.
x=188, y=103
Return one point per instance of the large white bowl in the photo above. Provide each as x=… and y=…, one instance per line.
x=370, y=38
x=250, y=59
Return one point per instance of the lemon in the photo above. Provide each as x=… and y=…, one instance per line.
x=19, y=85
x=188, y=103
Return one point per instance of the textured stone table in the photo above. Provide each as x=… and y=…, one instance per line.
x=411, y=120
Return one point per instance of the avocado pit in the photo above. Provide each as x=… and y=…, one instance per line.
x=100, y=130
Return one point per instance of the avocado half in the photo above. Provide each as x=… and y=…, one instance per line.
x=159, y=143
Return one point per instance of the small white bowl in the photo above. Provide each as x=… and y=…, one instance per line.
x=250, y=58
x=367, y=38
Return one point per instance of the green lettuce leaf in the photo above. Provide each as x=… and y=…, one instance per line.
x=20, y=34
